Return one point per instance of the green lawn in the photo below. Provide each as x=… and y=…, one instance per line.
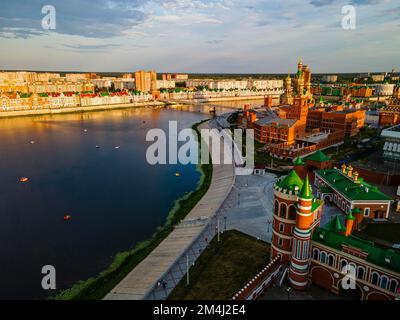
x=224, y=268
x=386, y=231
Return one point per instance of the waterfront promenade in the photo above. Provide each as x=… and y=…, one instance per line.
x=157, y=275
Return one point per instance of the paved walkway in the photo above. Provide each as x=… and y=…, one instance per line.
x=157, y=275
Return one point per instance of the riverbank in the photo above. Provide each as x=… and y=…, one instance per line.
x=96, y=288
x=48, y=111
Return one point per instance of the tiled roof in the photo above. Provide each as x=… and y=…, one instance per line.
x=318, y=156
x=352, y=190
x=291, y=182
x=386, y=258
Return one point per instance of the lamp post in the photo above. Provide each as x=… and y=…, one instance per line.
x=288, y=292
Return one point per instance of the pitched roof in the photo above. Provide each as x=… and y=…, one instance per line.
x=306, y=191
x=299, y=161
x=387, y=258
x=318, y=156
x=352, y=190
x=291, y=182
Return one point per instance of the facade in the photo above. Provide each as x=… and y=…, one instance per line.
x=349, y=121
x=329, y=78
x=146, y=81
x=320, y=255
x=384, y=90
x=390, y=115
x=289, y=208
x=30, y=101
x=165, y=84
x=391, y=149
x=335, y=253
x=265, y=84
x=348, y=191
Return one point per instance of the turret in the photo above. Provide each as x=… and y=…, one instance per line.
x=349, y=224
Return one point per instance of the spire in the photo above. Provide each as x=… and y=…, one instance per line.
x=336, y=225
x=299, y=161
x=306, y=191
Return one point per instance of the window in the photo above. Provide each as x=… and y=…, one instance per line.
x=375, y=278
x=384, y=282
x=331, y=260
x=292, y=212
x=280, y=242
x=281, y=227
x=367, y=212
x=316, y=254
x=323, y=257
x=343, y=264
x=360, y=273
x=283, y=210
x=393, y=285
x=276, y=208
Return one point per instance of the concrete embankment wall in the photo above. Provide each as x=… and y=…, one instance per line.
x=36, y=112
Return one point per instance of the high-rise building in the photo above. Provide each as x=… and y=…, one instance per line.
x=146, y=81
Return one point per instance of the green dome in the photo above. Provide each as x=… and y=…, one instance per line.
x=291, y=182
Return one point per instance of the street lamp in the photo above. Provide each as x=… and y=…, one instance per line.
x=288, y=292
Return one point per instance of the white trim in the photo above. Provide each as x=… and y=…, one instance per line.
x=281, y=250
x=299, y=284
x=281, y=235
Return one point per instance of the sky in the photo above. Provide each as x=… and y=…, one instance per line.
x=200, y=36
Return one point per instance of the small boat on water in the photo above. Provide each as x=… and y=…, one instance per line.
x=97, y=147
x=67, y=217
x=24, y=180
x=177, y=174
x=117, y=147
x=33, y=142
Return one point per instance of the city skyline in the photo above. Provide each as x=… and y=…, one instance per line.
x=215, y=36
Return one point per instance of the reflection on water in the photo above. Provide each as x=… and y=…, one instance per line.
x=115, y=199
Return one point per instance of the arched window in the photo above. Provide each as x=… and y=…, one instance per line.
x=292, y=212
x=375, y=278
x=360, y=273
x=323, y=257
x=281, y=227
x=393, y=285
x=331, y=260
x=280, y=242
x=343, y=264
x=283, y=210
x=316, y=254
x=276, y=207
x=384, y=282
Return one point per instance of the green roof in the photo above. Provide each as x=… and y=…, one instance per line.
x=336, y=225
x=318, y=156
x=306, y=191
x=387, y=258
x=352, y=190
x=298, y=161
x=291, y=182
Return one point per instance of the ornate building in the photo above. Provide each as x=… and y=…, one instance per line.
x=390, y=115
x=327, y=256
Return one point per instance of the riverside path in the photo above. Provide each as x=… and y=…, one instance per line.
x=157, y=275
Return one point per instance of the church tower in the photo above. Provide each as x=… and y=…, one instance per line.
x=287, y=97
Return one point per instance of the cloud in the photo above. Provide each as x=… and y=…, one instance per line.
x=86, y=18
x=321, y=3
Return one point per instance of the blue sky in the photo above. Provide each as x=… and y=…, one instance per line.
x=232, y=36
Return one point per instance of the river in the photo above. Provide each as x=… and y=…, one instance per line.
x=91, y=167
